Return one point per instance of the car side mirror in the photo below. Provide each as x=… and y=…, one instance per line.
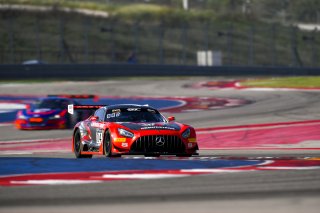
x=94, y=118
x=171, y=118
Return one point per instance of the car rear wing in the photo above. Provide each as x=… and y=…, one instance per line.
x=83, y=96
x=72, y=108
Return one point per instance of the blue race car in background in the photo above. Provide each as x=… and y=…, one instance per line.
x=51, y=113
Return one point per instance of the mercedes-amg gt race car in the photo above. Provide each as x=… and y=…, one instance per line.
x=50, y=113
x=117, y=130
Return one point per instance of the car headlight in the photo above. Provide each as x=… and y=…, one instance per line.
x=186, y=133
x=57, y=116
x=125, y=133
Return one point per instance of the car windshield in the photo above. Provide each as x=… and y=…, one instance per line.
x=134, y=115
x=52, y=104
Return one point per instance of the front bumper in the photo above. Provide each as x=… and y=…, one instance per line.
x=155, y=144
x=46, y=124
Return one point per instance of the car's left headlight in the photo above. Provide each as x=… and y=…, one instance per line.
x=57, y=116
x=125, y=133
x=186, y=133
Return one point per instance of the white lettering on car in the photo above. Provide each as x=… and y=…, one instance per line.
x=134, y=109
x=112, y=115
x=99, y=137
x=158, y=127
x=97, y=125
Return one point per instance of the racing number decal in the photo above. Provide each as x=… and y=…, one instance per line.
x=99, y=137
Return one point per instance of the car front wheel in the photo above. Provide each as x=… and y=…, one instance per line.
x=107, y=146
x=77, y=146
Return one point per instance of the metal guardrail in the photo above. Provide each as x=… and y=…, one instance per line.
x=68, y=71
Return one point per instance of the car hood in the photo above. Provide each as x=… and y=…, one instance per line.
x=151, y=126
x=41, y=112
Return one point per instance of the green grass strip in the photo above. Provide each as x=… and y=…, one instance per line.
x=284, y=82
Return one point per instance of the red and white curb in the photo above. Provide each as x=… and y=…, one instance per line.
x=299, y=135
x=100, y=177
x=285, y=135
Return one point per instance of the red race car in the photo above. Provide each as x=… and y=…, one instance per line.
x=131, y=129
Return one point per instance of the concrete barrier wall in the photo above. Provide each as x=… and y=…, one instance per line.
x=46, y=71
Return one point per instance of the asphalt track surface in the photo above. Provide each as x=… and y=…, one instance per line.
x=250, y=191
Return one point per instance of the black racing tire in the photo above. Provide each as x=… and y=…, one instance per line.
x=107, y=145
x=77, y=146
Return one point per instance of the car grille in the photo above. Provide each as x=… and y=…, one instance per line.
x=158, y=143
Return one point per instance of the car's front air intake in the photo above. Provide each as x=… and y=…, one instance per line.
x=158, y=143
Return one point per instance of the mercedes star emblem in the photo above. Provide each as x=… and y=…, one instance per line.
x=160, y=141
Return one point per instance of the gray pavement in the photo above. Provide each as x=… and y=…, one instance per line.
x=252, y=191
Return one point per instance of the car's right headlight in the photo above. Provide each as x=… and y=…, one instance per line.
x=125, y=133
x=186, y=133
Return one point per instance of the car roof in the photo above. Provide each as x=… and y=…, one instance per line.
x=123, y=106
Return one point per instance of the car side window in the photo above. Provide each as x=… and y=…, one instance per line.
x=100, y=113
